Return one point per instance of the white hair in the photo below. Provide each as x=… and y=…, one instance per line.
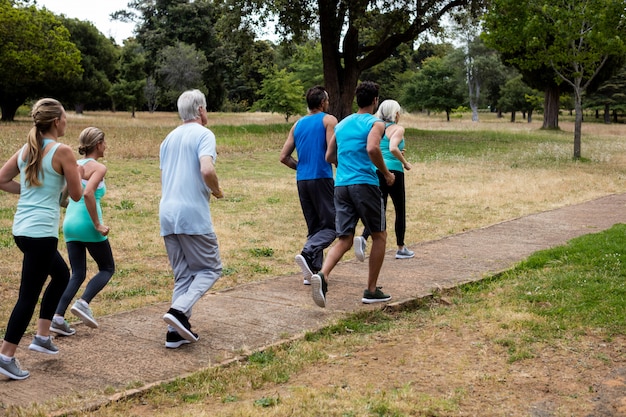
x=388, y=110
x=189, y=104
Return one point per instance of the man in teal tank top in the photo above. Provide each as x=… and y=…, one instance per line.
x=355, y=149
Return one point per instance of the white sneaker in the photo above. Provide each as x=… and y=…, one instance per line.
x=359, y=243
x=306, y=270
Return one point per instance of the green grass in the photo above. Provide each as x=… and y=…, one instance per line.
x=563, y=292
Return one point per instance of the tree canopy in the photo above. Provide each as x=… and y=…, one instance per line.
x=36, y=54
x=357, y=35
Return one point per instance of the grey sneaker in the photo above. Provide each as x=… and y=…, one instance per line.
x=306, y=270
x=404, y=253
x=359, y=243
x=319, y=287
x=62, y=329
x=43, y=346
x=13, y=370
x=84, y=313
x=375, y=297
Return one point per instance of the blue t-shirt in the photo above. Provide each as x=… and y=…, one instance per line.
x=354, y=165
x=310, y=140
x=38, y=210
x=393, y=163
x=184, y=207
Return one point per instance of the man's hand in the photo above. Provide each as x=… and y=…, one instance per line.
x=218, y=193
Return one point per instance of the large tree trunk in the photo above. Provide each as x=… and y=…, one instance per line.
x=551, y=107
x=9, y=106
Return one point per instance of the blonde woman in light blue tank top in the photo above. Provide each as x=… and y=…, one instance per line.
x=44, y=166
x=84, y=232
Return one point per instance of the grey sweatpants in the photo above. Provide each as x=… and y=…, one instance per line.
x=195, y=260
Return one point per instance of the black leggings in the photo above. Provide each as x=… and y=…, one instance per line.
x=41, y=258
x=397, y=194
x=77, y=252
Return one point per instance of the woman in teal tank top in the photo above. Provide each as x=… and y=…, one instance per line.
x=84, y=232
x=392, y=148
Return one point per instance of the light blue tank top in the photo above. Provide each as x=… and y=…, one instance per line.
x=354, y=164
x=77, y=225
x=38, y=209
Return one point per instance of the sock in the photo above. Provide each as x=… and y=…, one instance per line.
x=58, y=319
x=43, y=338
x=83, y=302
x=5, y=358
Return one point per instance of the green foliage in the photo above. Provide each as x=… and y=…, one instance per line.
x=434, y=87
x=128, y=91
x=281, y=93
x=180, y=68
x=517, y=96
x=35, y=53
x=99, y=62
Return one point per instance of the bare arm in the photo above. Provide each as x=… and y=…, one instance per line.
x=330, y=122
x=331, y=151
x=7, y=174
x=394, y=141
x=64, y=163
x=95, y=173
x=288, y=148
x=373, y=150
x=207, y=169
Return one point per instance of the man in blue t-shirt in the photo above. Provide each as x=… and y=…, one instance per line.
x=188, y=179
x=355, y=148
x=309, y=137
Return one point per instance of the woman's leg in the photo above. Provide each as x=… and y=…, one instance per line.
x=101, y=253
x=77, y=254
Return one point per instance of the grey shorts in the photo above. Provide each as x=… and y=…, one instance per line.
x=359, y=202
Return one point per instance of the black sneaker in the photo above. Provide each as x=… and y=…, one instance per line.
x=173, y=340
x=179, y=321
x=376, y=297
x=319, y=287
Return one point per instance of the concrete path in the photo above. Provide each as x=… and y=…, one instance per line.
x=127, y=352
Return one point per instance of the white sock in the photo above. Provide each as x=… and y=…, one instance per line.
x=43, y=338
x=58, y=319
x=83, y=302
x=6, y=358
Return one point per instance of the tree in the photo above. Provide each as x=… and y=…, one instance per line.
x=99, y=62
x=281, y=93
x=128, y=91
x=435, y=87
x=180, y=68
x=35, y=53
x=562, y=44
x=357, y=35
x=610, y=94
x=517, y=96
x=583, y=35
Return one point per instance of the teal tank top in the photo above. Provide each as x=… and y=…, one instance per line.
x=393, y=163
x=77, y=225
x=38, y=209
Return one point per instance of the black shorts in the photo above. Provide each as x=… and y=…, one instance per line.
x=361, y=201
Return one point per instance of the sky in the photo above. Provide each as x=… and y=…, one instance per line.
x=95, y=11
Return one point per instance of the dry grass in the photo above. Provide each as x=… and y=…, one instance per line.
x=259, y=223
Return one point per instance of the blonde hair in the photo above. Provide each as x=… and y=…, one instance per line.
x=89, y=139
x=44, y=113
x=388, y=110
